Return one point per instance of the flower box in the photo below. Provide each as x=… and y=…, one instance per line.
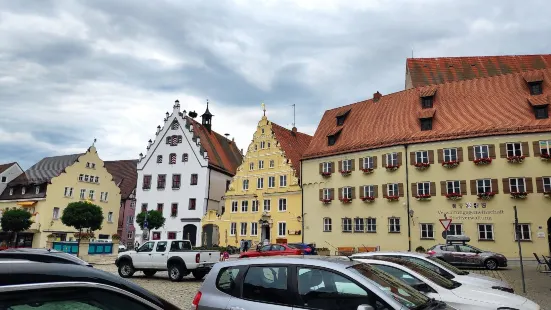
x=345, y=172
x=326, y=174
x=454, y=196
x=422, y=166
x=545, y=157
x=423, y=197
x=367, y=170
x=519, y=195
x=346, y=200
x=486, y=196
x=392, y=198
x=368, y=199
x=516, y=159
x=392, y=168
x=326, y=201
x=482, y=161
x=450, y=164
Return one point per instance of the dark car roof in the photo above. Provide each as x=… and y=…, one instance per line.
x=20, y=272
x=43, y=256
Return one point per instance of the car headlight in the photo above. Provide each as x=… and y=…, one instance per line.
x=505, y=289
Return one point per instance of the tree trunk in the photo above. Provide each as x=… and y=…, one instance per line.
x=78, y=240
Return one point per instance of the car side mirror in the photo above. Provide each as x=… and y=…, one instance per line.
x=423, y=287
x=365, y=307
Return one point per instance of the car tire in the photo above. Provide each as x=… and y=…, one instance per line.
x=199, y=275
x=175, y=273
x=490, y=264
x=149, y=273
x=126, y=270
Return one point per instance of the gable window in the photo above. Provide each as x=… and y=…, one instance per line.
x=282, y=205
x=367, y=162
x=426, y=102
x=393, y=224
x=55, y=214
x=485, y=232
x=93, y=166
x=172, y=159
x=346, y=224
x=184, y=157
x=194, y=179
x=11, y=191
x=514, y=149
x=234, y=207
x=192, y=203
x=251, y=166
x=282, y=181
x=455, y=230
x=176, y=181
x=82, y=193
x=368, y=191
x=347, y=192
x=517, y=185
x=272, y=163
x=523, y=230
x=244, y=206
x=427, y=231
x=481, y=151
x=326, y=167
x=68, y=192
x=340, y=120
x=260, y=164
x=453, y=187
x=423, y=189
x=391, y=159
x=175, y=125
x=260, y=183
x=392, y=190
x=483, y=186
x=159, y=159
x=5, y=178
x=161, y=181
x=245, y=185
x=233, y=228
x=346, y=165
x=371, y=225
x=450, y=155
x=327, y=224
x=37, y=190
x=359, y=225
x=422, y=157
x=146, y=182
x=541, y=112
x=254, y=207
x=23, y=190
x=535, y=88
x=426, y=124
x=271, y=182
x=267, y=205
x=255, y=147
x=262, y=145
x=174, y=210
x=160, y=207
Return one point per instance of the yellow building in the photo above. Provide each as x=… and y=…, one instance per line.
x=264, y=198
x=51, y=184
x=384, y=172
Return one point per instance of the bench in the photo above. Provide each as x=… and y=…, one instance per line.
x=345, y=251
x=365, y=249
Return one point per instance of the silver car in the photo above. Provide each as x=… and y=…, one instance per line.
x=272, y=283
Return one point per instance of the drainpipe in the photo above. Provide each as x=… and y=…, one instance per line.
x=407, y=196
x=302, y=201
x=207, y=210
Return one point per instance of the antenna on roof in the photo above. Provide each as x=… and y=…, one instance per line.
x=294, y=115
x=412, y=52
x=94, y=142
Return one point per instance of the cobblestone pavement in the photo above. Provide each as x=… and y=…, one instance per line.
x=179, y=293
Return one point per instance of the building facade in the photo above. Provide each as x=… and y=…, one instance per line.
x=385, y=171
x=184, y=173
x=8, y=172
x=50, y=185
x=264, y=200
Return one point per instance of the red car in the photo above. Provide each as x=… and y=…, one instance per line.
x=272, y=250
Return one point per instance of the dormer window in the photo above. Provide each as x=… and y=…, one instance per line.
x=341, y=117
x=535, y=88
x=541, y=112
x=426, y=102
x=426, y=124
x=332, y=139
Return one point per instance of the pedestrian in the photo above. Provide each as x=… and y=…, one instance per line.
x=245, y=246
x=226, y=256
x=242, y=245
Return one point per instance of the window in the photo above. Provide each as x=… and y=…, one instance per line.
x=23, y=189
x=172, y=159
x=545, y=147
x=160, y=207
x=4, y=179
x=281, y=229
x=55, y=214
x=423, y=189
x=455, y=230
x=262, y=145
x=97, y=180
x=244, y=206
x=68, y=192
x=450, y=155
x=91, y=194
x=541, y=112
x=254, y=207
x=340, y=120
x=427, y=231
x=233, y=229
x=161, y=247
x=271, y=182
x=359, y=224
x=130, y=220
x=326, y=194
x=266, y=285
x=260, y=164
x=367, y=163
x=267, y=206
x=260, y=183
x=517, y=185
x=514, y=149
x=426, y=124
x=346, y=224
x=535, y=88
x=174, y=210
x=168, y=140
x=184, y=157
x=144, y=207
x=523, y=230
x=159, y=159
x=245, y=185
x=81, y=177
x=93, y=166
x=161, y=181
x=483, y=186
x=37, y=190
x=481, y=151
x=426, y=102
x=282, y=181
x=226, y=280
x=453, y=187
x=156, y=235
x=103, y=196
x=194, y=178
x=147, y=247
x=11, y=191
x=391, y=160
x=546, y=184
x=282, y=204
x=171, y=235
x=255, y=147
x=422, y=157
x=234, y=207
x=228, y=183
x=346, y=165
x=146, y=182
x=331, y=140
x=86, y=178
x=326, y=167
x=110, y=217
x=243, y=231
x=254, y=229
x=130, y=235
x=251, y=166
x=174, y=125
x=485, y=231
x=393, y=224
x=175, y=181
x=272, y=163
x=346, y=192
x=327, y=224
x=371, y=225
x=392, y=190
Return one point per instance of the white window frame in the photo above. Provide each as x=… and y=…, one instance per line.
x=347, y=225
x=423, y=188
x=422, y=157
x=92, y=194
x=479, y=225
x=233, y=228
x=110, y=217
x=371, y=225
x=243, y=229
x=513, y=148
x=359, y=222
x=272, y=163
x=55, y=213
x=455, y=232
x=395, y=190
x=368, y=162
x=282, y=205
x=326, y=167
x=68, y=192
x=23, y=190
x=283, y=181
x=346, y=192
x=234, y=206
x=251, y=166
x=254, y=206
x=82, y=193
x=244, y=206
x=346, y=165
x=450, y=154
x=326, y=194
x=484, y=185
x=546, y=184
x=427, y=233
x=260, y=183
x=254, y=228
x=523, y=228
x=368, y=191
x=456, y=187
x=262, y=145
x=81, y=177
x=37, y=190
x=246, y=185
x=545, y=146
x=267, y=205
x=86, y=178
x=281, y=226
x=391, y=159
x=97, y=180
x=394, y=225
x=260, y=164
x=327, y=224
x=519, y=185
x=481, y=151
x=271, y=181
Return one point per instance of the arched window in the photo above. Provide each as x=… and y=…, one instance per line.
x=172, y=160
x=327, y=224
x=175, y=125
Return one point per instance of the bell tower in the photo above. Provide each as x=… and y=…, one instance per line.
x=206, y=118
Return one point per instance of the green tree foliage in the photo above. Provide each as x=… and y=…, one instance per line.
x=155, y=219
x=83, y=215
x=16, y=220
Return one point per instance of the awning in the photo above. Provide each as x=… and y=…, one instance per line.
x=27, y=203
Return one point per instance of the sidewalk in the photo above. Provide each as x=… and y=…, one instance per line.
x=538, y=285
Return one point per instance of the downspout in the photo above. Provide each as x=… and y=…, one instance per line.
x=407, y=197
x=207, y=210
x=302, y=201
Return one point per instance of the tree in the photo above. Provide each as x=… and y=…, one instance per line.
x=15, y=221
x=82, y=215
x=155, y=219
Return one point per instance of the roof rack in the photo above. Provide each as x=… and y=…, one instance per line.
x=457, y=239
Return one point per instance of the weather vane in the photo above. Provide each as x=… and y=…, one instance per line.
x=94, y=142
x=263, y=108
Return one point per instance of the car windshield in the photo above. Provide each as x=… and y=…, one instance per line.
x=402, y=293
x=448, y=266
x=433, y=276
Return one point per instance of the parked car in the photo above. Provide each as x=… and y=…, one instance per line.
x=175, y=256
x=458, y=253
x=285, y=282
x=307, y=248
x=122, y=248
x=43, y=256
x=25, y=285
x=272, y=250
x=442, y=268
x=455, y=294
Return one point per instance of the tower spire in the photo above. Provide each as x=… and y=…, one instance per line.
x=207, y=118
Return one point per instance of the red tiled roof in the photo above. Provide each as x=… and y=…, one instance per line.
x=538, y=100
x=478, y=107
x=223, y=153
x=125, y=175
x=4, y=167
x=294, y=144
x=426, y=113
x=428, y=71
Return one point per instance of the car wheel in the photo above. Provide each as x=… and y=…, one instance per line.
x=491, y=264
x=149, y=273
x=199, y=275
x=175, y=273
x=126, y=270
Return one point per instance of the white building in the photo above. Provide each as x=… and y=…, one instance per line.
x=8, y=172
x=185, y=172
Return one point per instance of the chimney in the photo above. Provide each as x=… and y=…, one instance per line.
x=294, y=131
x=176, y=107
x=377, y=96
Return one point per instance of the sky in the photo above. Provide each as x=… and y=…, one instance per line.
x=73, y=71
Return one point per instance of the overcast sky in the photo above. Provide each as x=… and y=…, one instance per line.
x=72, y=71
